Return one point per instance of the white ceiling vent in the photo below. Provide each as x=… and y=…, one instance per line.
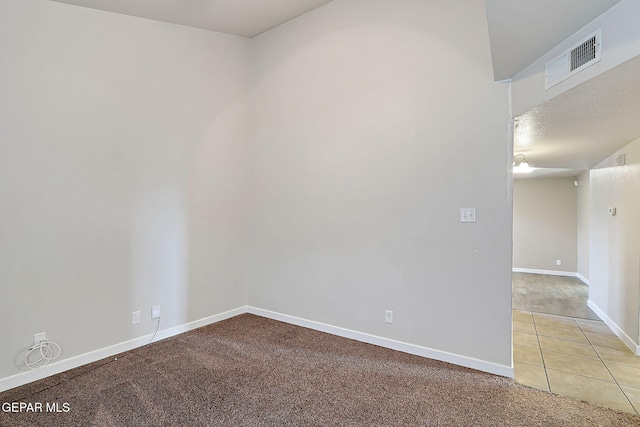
x=580, y=56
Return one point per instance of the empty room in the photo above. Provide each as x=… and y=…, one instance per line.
x=273, y=212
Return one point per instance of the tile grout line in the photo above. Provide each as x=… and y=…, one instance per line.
x=544, y=365
x=588, y=343
x=584, y=376
x=609, y=370
x=542, y=287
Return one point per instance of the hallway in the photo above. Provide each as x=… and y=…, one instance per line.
x=567, y=354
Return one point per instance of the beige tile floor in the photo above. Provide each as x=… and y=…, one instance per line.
x=575, y=357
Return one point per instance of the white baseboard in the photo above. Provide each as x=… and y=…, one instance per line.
x=633, y=346
x=584, y=279
x=549, y=272
x=469, y=362
x=93, y=356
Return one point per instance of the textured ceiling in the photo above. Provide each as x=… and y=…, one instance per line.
x=245, y=18
x=580, y=128
x=583, y=126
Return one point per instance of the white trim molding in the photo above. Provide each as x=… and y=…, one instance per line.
x=633, y=346
x=552, y=273
x=456, y=359
x=584, y=279
x=103, y=353
x=549, y=272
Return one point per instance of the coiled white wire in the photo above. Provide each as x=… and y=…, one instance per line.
x=48, y=351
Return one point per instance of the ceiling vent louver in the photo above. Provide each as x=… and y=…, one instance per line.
x=580, y=56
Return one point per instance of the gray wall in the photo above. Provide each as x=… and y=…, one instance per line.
x=584, y=193
x=141, y=165
x=375, y=122
x=614, y=261
x=122, y=150
x=545, y=224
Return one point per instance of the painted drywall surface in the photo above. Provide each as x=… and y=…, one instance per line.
x=620, y=42
x=121, y=162
x=614, y=252
x=584, y=192
x=374, y=122
x=545, y=224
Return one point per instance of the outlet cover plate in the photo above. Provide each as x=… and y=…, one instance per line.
x=468, y=215
x=42, y=336
x=388, y=316
x=135, y=317
x=155, y=311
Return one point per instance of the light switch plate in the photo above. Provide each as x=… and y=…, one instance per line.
x=468, y=215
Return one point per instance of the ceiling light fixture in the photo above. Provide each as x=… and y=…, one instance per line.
x=521, y=165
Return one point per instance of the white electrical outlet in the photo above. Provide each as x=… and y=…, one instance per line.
x=135, y=317
x=388, y=316
x=155, y=311
x=42, y=336
x=468, y=215
x=558, y=262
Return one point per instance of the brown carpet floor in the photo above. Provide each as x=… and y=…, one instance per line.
x=252, y=371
